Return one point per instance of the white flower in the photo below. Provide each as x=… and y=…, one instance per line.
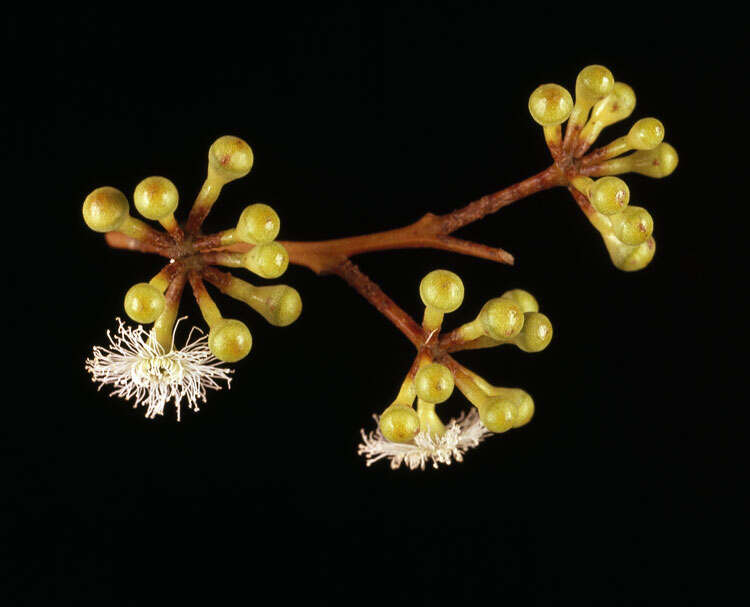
x=461, y=434
x=139, y=368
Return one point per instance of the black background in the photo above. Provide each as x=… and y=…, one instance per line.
x=621, y=490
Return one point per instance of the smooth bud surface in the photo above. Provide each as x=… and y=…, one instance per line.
x=609, y=195
x=593, y=83
x=498, y=414
x=434, y=383
x=638, y=257
x=156, y=198
x=645, y=134
x=550, y=104
x=105, y=209
x=616, y=106
x=144, y=303
x=258, y=224
x=501, y=318
x=523, y=299
x=399, y=423
x=229, y=340
x=536, y=333
x=442, y=290
x=633, y=226
x=267, y=260
x=659, y=162
x=229, y=158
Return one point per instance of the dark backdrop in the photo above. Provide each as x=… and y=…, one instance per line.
x=621, y=488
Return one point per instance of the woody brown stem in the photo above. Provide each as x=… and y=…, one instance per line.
x=361, y=283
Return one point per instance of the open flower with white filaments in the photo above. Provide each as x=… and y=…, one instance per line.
x=139, y=368
x=461, y=434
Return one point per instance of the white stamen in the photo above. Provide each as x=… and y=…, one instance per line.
x=461, y=434
x=139, y=368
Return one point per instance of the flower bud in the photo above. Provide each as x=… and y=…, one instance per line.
x=501, y=318
x=523, y=299
x=498, y=414
x=156, y=198
x=105, y=209
x=230, y=340
x=229, y=158
x=645, y=134
x=434, y=383
x=659, y=162
x=442, y=290
x=633, y=226
x=616, y=106
x=267, y=260
x=144, y=303
x=550, y=104
x=258, y=224
x=399, y=423
x=536, y=333
x=638, y=257
x=593, y=83
x=609, y=195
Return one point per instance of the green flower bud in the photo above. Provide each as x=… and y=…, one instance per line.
x=645, y=134
x=616, y=106
x=536, y=333
x=229, y=158
x=498, y=414
x=501, y=318
x=609, y=195
x=105, y=209
x=258, y=224
x=638, y=257
x=144, y=303
x=156, y=198
x=525, y=300
x=550, y=104
x=434, y=383
x=230, y=340
x=633, y=226
x=442, y=290
x=594, y=82
x=267, y=260
x=659, y=162
x=399, y=423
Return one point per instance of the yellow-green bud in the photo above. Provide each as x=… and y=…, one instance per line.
x=593, y=83
x=633, y=226
x=645, y=134
x=229, y=340
x=283, y=305
x=616, y=106
x=156, y=198
x=498, y=414
x=258, y=224
x=144, y=303
x=442, y=290
x=501, y=318
x=229, y=158
x=550, y=104
x=524, y=409
x=536, y=333
x=399, y=423
x=105, y=209
x=637, y=258
x=525, y=300
x=659, y=162
x=267, y=260
x=434, y=383
x=609, y=195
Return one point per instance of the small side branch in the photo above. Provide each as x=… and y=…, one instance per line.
x=361, y=283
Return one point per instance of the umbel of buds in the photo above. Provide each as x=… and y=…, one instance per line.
x=193, y=259
x=415, y=435
x=145, y=366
